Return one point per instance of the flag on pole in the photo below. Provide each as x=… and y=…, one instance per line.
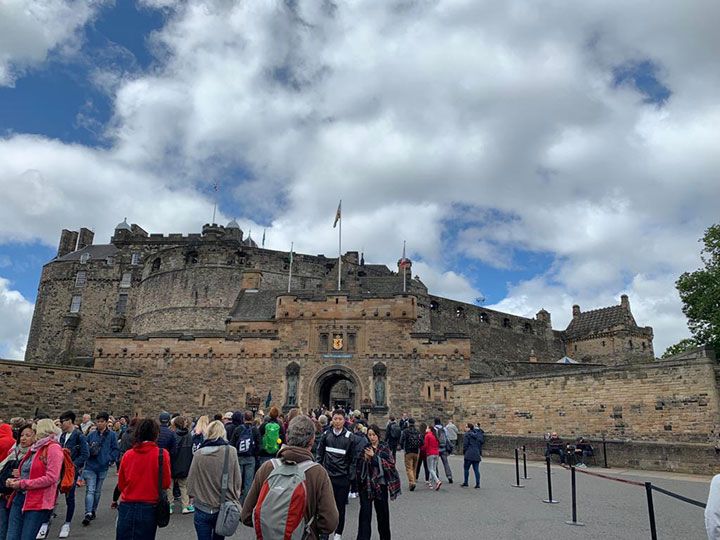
x=337, y=214
x=263, y=240
x=268, y=399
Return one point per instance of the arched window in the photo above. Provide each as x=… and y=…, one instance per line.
x=484, y=317
x=460, y=312
x=506, y=322
x=527, y=328
x=155, y=265
x=434, y=306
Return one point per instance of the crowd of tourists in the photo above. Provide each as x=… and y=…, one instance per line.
x=237, y=467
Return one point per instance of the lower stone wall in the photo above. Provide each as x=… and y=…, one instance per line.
x=691, y=458
x=28, y=387
x=666, y=401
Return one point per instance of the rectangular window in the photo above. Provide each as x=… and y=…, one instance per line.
x=126, y=280
x=80, y=279
x=324, y=342
x=351, y=342
x=121, y=304
x=135, y=259
x=75, y=304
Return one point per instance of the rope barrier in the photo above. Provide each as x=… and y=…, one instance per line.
x=680, y=497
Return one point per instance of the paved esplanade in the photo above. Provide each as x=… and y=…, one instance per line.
x=608, y=509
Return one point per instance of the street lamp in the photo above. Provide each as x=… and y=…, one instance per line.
x=365, y=407
x=252, y=403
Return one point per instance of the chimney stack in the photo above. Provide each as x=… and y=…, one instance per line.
x=68, y=240
x=85, y=238
x=576, y=311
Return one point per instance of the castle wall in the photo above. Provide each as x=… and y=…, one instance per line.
x=612, y=348
x=28, y=387
x=664, y=401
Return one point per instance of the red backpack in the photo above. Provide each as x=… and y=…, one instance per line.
x=67, y=473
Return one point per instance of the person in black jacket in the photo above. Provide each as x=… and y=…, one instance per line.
x=410, y=442
x=236, y=421
x=180, y=463
x=472, y=452
x=336, y=452
x=246, y=440
x=167, y=438
x=392, y=435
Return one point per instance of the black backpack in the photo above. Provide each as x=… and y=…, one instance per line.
x=245, y=441
x=394, y=431
x=413, y=441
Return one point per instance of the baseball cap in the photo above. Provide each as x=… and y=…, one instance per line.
x=228, y=415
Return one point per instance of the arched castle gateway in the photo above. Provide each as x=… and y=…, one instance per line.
x=207, y=322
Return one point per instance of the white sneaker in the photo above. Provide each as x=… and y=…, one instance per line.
x=42, y=533
x=64, y=531
x=337, y=536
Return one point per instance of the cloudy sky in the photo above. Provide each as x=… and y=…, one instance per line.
x=534, y=154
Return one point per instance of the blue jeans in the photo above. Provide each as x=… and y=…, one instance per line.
x=247, y=472
x=94, y=481
x=476, y=470
x=136, y=521
x=4, y=515
x=205, y=525
x=25, y=525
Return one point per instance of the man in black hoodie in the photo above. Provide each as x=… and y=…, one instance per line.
x=237, y=420
x=246, y=440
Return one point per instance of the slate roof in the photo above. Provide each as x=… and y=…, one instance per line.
x=599, y=320
x=99, y=251
x=254, y=306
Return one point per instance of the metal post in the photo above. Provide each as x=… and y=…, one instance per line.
x=651, y=510
x=605, y=452
x=550, y=499
x=517, y=471
x=525, y=476
x=574, y=499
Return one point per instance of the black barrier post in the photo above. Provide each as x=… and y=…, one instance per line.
x=605, y=452
x=550, y=498
x=651, y=510
x=517, y=471
x=574, y=499
x=525, y=476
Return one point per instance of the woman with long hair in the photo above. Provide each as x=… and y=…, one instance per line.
x=138, y=481
x=199, y=431
x=432, y=451
x=26, y=438
x=36, y=485
x=378, y=482
x=422, y=456
x=205, y=477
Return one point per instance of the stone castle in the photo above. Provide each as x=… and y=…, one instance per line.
x=208, y=322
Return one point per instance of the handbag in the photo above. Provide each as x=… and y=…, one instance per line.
x=229, y=514
x=162, y=510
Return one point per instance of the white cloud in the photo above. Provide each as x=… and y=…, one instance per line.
x=31, y=29
x=407, y=111
x=16, y=313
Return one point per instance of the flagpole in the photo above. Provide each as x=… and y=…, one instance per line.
x=291, y=263
x=340, y=246
x=404, y=269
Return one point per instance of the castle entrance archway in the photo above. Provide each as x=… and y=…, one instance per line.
x=337, y=386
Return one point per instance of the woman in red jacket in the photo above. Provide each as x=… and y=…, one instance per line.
x=138, y=484
x=36, y=483
x=432, y=451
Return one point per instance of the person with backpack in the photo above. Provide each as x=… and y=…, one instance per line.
x=472, y=452
x=236, y=420
x=379, y=483
x=75, y=442
x=26, y=438
x=276, y=508
x=246, y=440
x=410, y=442
x=392, y=435
x=336, y=453
x=205, y=480
x=181, y=464
x=103, y=452
x=36, y=488
x=445, y=448
x=138, y=480
x=272, y=436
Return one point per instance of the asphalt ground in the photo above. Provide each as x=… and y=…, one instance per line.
x=608, y=509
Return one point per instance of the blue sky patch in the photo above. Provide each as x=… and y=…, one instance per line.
x=644, y=77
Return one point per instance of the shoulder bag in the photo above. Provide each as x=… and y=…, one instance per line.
x=229, y=514
x=162, y=510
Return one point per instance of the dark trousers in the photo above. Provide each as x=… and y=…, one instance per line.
x=476, y=470
x=341, y=488
x=382, y=513
x=557, y=451
x=136, y=521
x=70, y=501
x=205, y=525
x=422, y=463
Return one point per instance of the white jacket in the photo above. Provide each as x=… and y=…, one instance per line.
x=712, y=510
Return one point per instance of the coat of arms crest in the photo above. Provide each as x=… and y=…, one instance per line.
x=337, y=343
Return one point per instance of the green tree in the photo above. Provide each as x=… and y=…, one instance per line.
x=681, y=346
x=700, y=293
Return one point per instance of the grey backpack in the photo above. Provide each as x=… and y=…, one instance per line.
x=280, y=510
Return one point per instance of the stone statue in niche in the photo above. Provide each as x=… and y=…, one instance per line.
x=380, y=391
x=292, y=390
